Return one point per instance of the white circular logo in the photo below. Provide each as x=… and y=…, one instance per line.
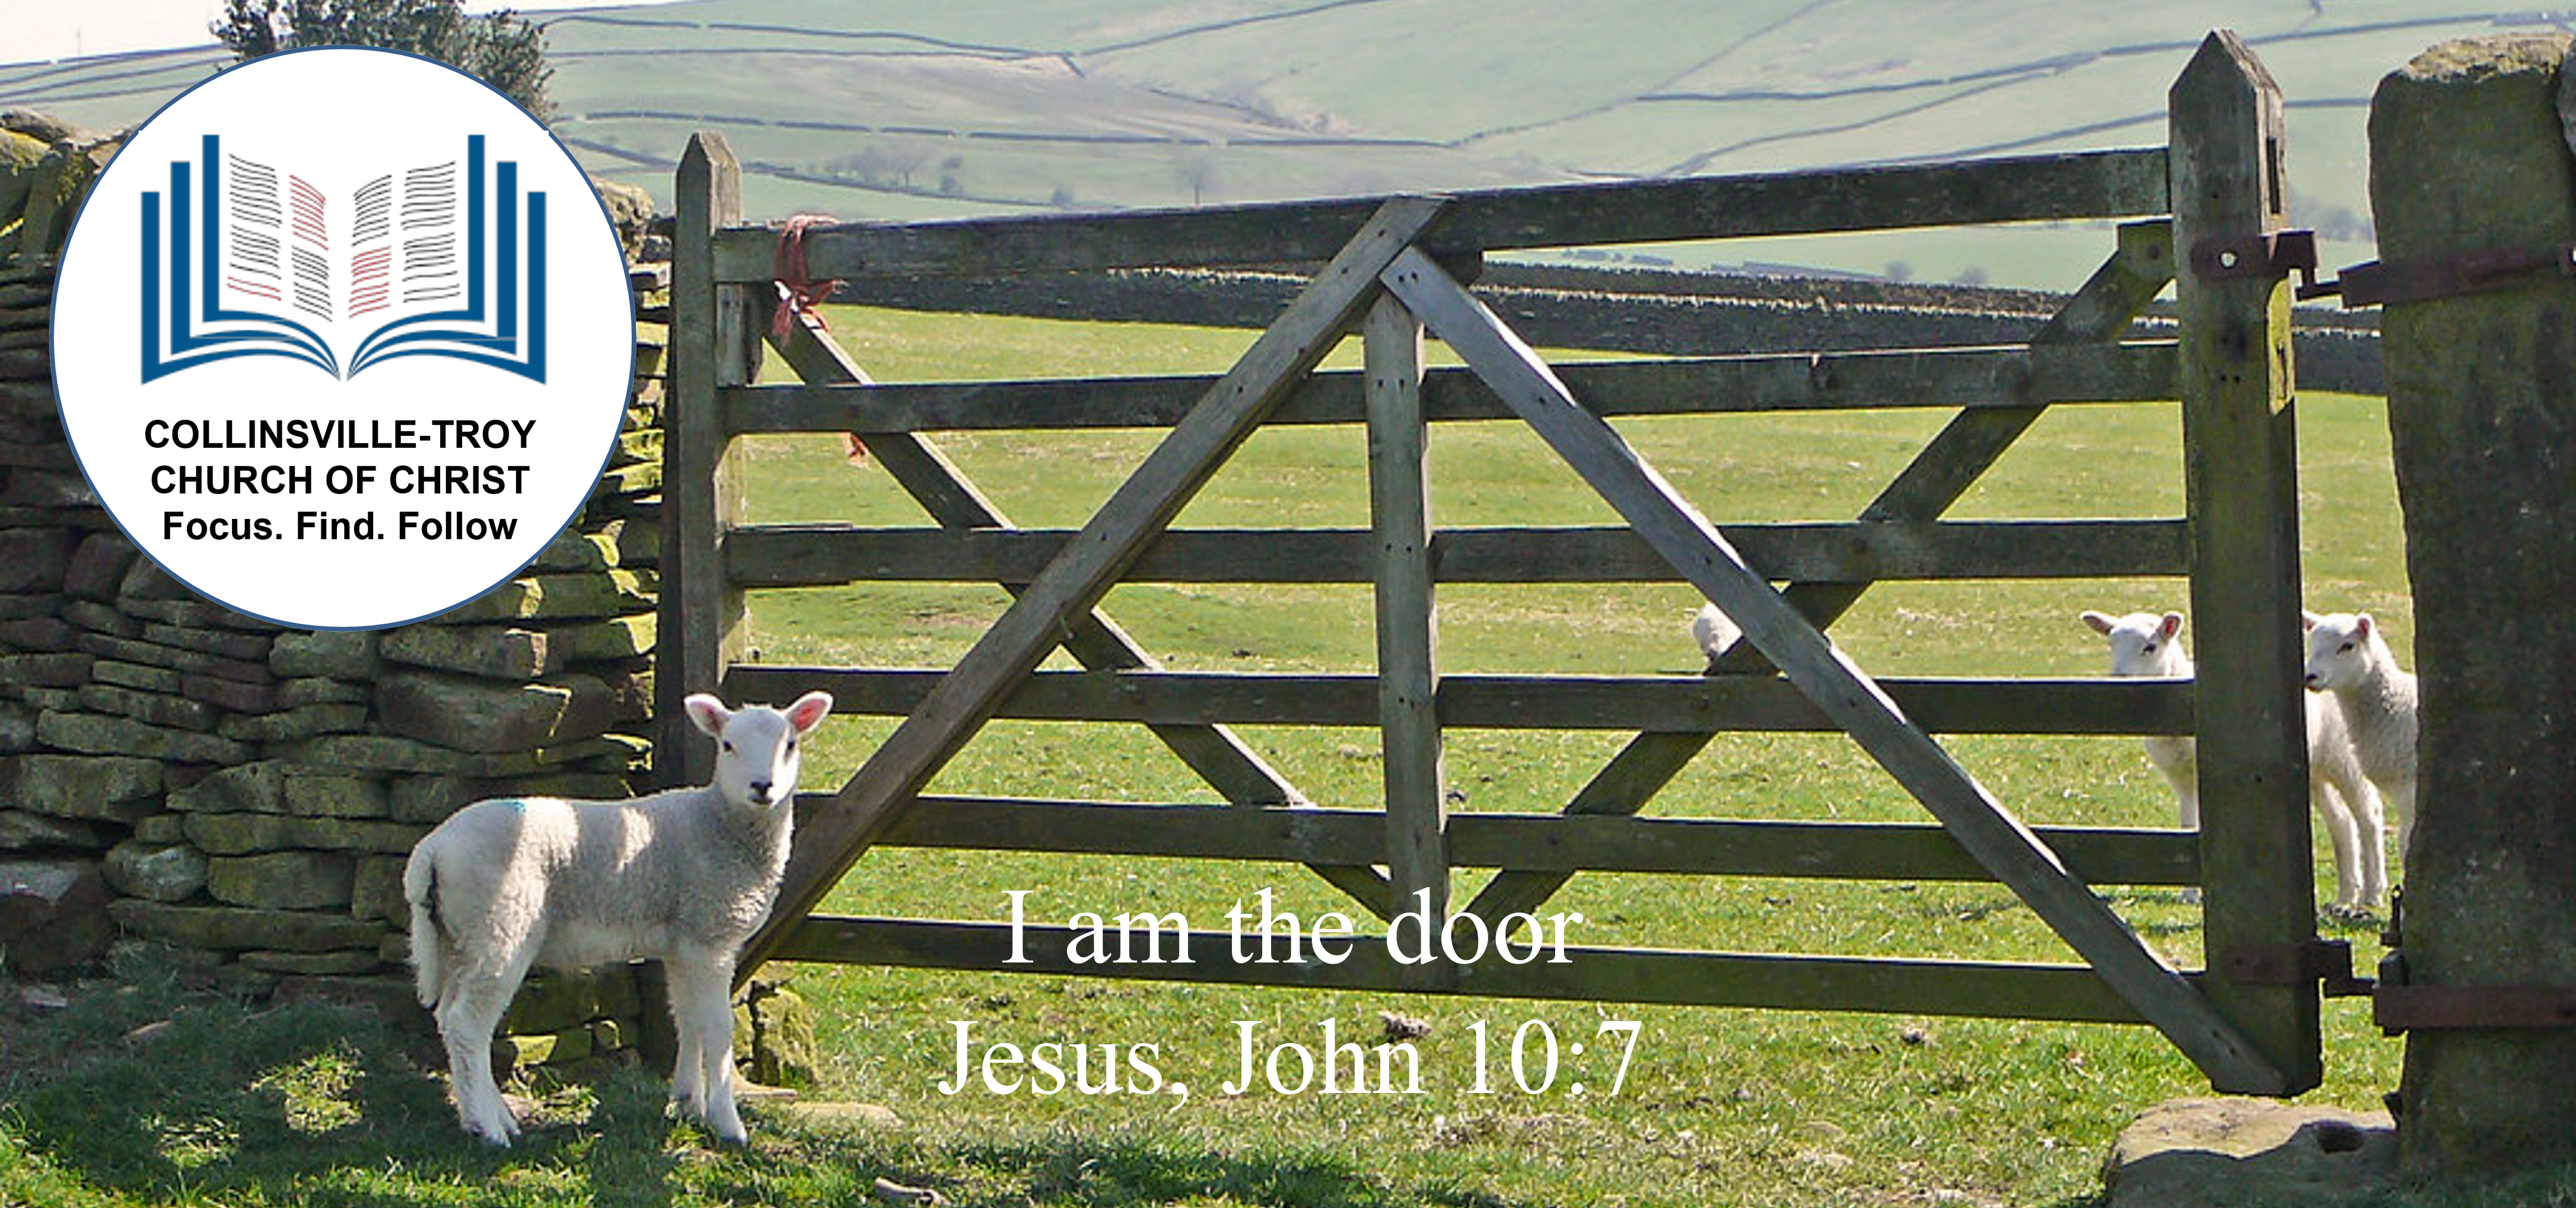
x=342, y=338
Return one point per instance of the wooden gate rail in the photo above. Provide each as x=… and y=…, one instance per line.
x=1388, y=283
x=1666, y=704
x=1785, y=982
x=2016, y=377
x=2129, y=183
x=1841, y=851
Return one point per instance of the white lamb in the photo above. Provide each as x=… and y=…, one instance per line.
x=683, y=876
x=2351, y=662
x=1714, y=631
x=2146, y=644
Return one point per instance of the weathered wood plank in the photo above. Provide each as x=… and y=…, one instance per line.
x=1140, y=508
x=1982, y=989
x=1975, y=439
x=2033, y=188
x=1678, y=703
x=1827, y=676
x=1408, y=633
x=701, y=615
x=2013, y=377
x=812, y=555
x=1876, y=851
x=1219, y=757
x=2241, y=474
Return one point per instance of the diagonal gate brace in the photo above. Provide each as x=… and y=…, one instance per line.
x=1827, y=677
x=1095, y=641
x=1136, y=513
x=1965, y=449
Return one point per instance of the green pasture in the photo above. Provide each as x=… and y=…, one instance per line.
x=299, y=1105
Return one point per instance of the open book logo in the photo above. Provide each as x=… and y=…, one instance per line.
x=241, y=258
x=342, y=338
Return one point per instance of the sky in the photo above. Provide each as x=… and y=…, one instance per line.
x=62, y=29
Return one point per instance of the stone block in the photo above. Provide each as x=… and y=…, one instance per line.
x=250, y=787
x=98, y=567
x=99, y=735
x=284, y=880
x=156, y=708
x=552, y=596
x=303, y=721
x=162, y=828
x=492, y=651
x=161, y=872
x=187, y=662
x=17, y=729
x=321, y=690
x=21, y=831
x=101, y=618
x=574, y=550
x=137, y=676
x=145, y=580
x=603, y=640
x=245, y=834
x=52, y=914
x=463, y=714
x=60, y=670
x=338, y=654
x=236, y=928
x=108, y=788
x=38, y=634
x=384, y=753
x=313, y=793
x=194, y=612
x=376, y=892
x=235, y=695
x=2218, y=1153
x=34, y=560
x=251, y=647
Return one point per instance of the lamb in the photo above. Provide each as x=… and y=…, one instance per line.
x=1714, y=631
x=2147, y=644
x=684, y=875
x=2349, y=660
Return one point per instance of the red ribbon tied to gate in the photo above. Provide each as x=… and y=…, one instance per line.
x=798, y=292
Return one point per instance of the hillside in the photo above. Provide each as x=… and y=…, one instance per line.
x=895, y=111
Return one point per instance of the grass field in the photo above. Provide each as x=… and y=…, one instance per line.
x=298, y=1105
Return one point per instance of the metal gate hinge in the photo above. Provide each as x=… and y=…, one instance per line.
x=2322, y=961
x=2446, y=1008
x=2450, y=275
x=2271, y=255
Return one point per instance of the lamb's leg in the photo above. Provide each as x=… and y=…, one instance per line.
x=467, y=1014
x=2371, y=820
x=2341, y=832
x=701, y=1009
x=2402, y=799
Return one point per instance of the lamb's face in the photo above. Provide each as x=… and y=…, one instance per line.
x=2143, y=643
x=2338, y=650
x=758, y=749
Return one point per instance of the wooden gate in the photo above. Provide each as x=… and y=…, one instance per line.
x=1392, y=270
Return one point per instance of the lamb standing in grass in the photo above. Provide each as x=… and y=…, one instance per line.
x=1714, y=631
x=2146, y=644
x=683, y=876
x=2349, y=661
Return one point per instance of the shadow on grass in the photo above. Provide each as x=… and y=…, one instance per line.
x=310, y=1104
x=302, y=1104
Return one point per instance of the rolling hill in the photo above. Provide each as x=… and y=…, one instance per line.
x=898, y=111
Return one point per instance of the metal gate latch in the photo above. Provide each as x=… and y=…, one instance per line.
x=2323, y=961
x=2271, y=256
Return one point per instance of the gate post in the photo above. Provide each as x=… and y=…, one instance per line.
x=2467, y=154
x=699, y=629
x=2240, y=445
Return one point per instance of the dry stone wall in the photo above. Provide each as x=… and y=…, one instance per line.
x=247, y=793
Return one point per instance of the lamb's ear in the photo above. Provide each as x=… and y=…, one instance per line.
x=2308, y=620
x=2361, y=626
x=2172, y=625
x=2100, y=622
x=809, y=711
x=708, y=713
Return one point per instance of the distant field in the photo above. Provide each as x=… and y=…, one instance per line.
x=985, y=107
